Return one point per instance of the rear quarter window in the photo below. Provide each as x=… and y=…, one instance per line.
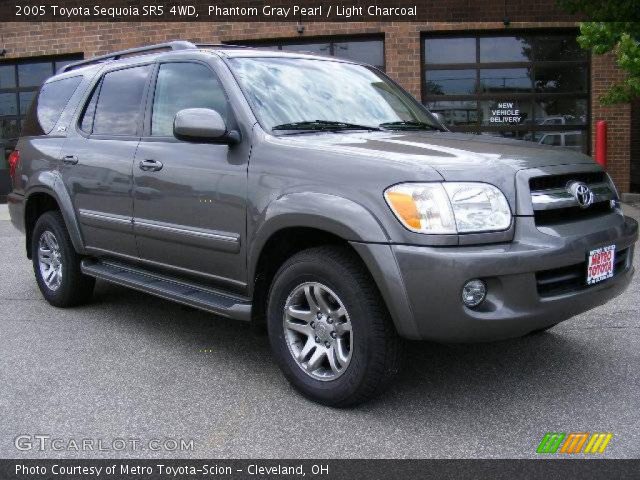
x=48, y=105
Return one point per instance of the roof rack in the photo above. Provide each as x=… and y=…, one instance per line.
x=175, y=45
x=220, y=45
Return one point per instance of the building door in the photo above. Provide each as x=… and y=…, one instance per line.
x=530, y=85
x=19, y=82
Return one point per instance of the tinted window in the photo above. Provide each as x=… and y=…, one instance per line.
x=505, y=80
x=8, y=105
x=560, y=79
x=505, y=49
x=7, y=76
x=450, y=50
x=315, y=48
x=357, y=50
x=34, y=74
x=456, y=112
x=118, y=109
x=443, y=82
x=554, y=47
x=561, y=111
x=52, y=99
x=184, y=85
x=25, y=101
x=371, y=52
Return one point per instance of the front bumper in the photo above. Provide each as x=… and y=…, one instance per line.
x=423, y=288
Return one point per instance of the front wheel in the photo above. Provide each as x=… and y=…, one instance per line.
x=329, y=330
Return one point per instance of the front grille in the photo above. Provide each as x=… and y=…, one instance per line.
x=553, y=200
x=556, y=216
x=560, y=181
x=573, y=278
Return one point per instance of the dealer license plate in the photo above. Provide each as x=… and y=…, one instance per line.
x=600, y=264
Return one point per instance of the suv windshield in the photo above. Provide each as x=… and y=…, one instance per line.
x=306, y=94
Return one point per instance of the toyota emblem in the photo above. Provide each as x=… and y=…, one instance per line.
x=582, y=193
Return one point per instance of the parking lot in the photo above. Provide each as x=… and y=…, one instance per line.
x=131, y=366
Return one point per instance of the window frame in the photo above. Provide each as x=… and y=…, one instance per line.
x=96, y=86
x=534, y=97
x=150, y=97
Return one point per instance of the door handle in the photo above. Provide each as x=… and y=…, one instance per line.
x=69, y=159
x=150, y=165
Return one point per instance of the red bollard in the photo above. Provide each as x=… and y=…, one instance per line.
x=601, y=143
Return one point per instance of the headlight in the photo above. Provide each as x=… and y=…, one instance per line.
x=449, y=207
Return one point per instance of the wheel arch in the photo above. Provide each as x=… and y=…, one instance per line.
x=331, y=214
x=304, y=220
x=50, y=194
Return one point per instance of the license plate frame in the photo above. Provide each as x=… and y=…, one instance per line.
x=600, y=264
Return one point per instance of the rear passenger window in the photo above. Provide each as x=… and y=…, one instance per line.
x=118, y=103
x=184, y=85
x=52, y=100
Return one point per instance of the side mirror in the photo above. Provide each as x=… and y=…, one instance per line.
x=203, y=124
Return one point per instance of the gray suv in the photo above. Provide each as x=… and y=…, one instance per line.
x=313, y=194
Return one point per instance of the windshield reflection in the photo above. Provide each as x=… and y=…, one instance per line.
x=289, y=90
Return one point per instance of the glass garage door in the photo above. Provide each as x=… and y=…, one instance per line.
x=19, y=81
x=366, y=50
x=529, y=86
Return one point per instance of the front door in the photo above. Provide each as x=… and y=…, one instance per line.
x=189, y=197
x=97, y=160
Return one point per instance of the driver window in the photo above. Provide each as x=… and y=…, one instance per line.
x=180, y=86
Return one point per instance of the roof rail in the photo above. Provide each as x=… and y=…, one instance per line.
x=175, y=45
x=220, y=45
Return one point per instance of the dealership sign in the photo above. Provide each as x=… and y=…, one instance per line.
x=505, y=112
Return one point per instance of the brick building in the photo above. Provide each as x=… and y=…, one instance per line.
x=527, y=80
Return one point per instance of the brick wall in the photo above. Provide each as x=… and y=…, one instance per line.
x=402, y=54
x=635, y=146
x=605, y=73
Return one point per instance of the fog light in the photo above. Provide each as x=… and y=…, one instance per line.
x=474, y=293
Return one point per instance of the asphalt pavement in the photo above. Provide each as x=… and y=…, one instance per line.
x=135, y=368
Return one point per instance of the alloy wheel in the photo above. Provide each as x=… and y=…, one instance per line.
x=318, y=331
x=50, y=260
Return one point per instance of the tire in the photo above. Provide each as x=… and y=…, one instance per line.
x=363, y=356
x=72, y=287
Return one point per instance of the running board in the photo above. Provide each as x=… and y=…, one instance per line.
x=186, y=293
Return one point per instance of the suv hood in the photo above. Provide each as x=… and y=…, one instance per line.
x=448, y=153
x=427, y=156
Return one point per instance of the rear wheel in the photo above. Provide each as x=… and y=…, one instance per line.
x=56, y=264
x=329, y=331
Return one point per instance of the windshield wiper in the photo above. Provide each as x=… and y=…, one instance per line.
x=329, y=125
x=409, y=124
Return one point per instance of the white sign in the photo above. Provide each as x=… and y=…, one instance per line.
x=505, y=113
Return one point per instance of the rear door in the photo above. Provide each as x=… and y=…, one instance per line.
x=190, y=197
x=97, y=160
